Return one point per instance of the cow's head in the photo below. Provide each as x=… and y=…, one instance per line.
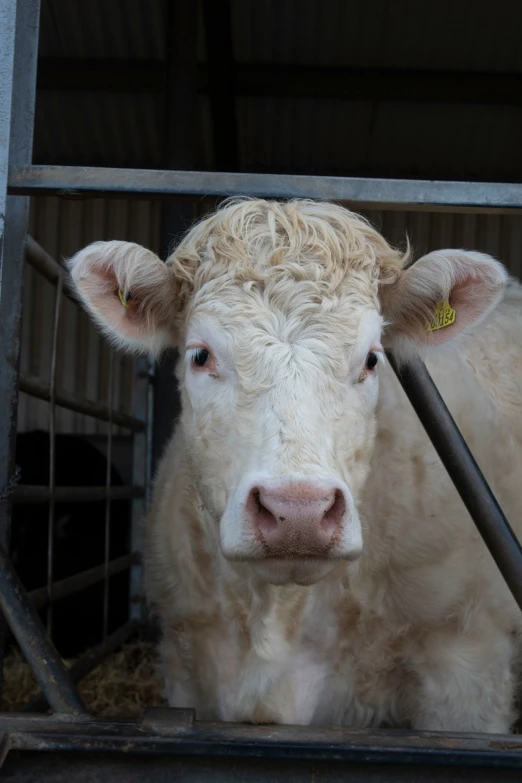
x=280, y=311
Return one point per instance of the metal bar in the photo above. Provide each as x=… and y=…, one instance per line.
x=45, y=264
x=463, y=471
x=26, y=493
x=19, y=27
x=38, y=649
x=377, y=193
x=52, y=454
x=171, y=732
x=82, y=667
x=73, y=584
x=86, y=767
x=7, y=475
x=149, y=433
x=107, y=527
x=7, y=50
x=140, y=463
x=29, y=384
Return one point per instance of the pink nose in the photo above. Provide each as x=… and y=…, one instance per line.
x=298, y=519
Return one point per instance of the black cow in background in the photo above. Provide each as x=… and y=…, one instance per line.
x=79, y=537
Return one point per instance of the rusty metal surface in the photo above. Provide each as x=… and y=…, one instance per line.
x=415, y=194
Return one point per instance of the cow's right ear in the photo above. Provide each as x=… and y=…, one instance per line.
x=130, y=293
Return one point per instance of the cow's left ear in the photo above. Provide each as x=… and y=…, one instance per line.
x=437, y=298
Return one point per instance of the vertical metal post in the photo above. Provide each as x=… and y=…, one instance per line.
x=108, y=502
x=19, y=27
x=52, y=454
x=7, y=46
x=140, y=466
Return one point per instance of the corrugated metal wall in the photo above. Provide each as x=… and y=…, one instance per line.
x=64, y=226
x=498, y=235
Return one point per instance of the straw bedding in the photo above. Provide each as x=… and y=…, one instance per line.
x=124, y=684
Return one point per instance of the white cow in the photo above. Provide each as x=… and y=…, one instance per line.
x=306, y=553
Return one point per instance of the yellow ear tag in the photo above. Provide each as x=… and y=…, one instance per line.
x=444, y=316
x=125, y=302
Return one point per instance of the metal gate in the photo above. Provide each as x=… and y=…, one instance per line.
x=169, y=744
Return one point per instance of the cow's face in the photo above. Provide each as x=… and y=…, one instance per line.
x=279, y=392
x=277, y=311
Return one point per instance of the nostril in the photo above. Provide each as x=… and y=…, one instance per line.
x=332, y=519
x=264, y=519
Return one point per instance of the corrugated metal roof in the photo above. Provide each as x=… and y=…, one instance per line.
x=103, y=28
x=432, y=34
x=98, y=128
x=298, y=134
x=380, y=139
x=438, y=34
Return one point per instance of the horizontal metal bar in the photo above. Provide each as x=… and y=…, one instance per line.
x=35, y=387
x=87, y=767
x=26, y=493
x=463, y=471
x=73, y=584
x=171, y=733
x=82, y=667
x=36, y=646
x=144, y=183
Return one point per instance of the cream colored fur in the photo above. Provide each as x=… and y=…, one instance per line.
x=420, y=630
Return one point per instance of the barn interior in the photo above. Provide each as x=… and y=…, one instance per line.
x=366, y=88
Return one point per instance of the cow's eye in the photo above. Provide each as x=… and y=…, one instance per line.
x=200, y=357
x=371, y=360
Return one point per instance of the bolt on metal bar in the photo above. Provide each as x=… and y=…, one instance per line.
x=463, y=471
x=37, y=647
x=370, y=192
x=27, y=493
x=84, y=665
x=52, y=454
x=107, y=531
x=35, y=387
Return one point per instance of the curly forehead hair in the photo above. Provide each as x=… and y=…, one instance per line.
x=258, y=240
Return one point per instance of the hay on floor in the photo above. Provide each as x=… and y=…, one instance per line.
x=124, y=684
